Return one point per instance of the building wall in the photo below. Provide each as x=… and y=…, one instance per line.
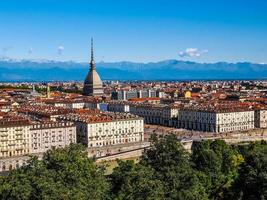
x=187, y=94
x=215, y=122
x=18, y=142
x=15, y=141
x=111, y=133
x=125, y=95
x=10, y=163
x=91, y=105
x=261, y=118
x=118, y=107
x=48, y=136
x=70, y=105
x=155, y=115
x=132, y=94
x=198, y=120
x=226, y=122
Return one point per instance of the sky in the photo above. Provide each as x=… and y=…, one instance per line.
x=135, y=30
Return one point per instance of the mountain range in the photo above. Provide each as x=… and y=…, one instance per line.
x=46, y=70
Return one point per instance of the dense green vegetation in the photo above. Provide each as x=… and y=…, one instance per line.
x=58, y=88
x=42, y=90
x=214, y=170
x=14, y=87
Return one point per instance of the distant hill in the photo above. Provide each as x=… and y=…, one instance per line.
x=45, y=70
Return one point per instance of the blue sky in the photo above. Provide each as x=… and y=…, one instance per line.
x=135, y=30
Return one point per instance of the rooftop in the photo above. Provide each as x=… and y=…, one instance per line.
x=101, y=117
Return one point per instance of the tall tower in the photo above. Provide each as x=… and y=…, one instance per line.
x=48, y=91
x=93, y=85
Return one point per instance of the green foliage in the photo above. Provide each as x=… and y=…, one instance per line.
x=14, y=87
x=135, y=182
x=165, y=153
x=218, y=164
x=172, y=166
x=62, y=174
x=251, y=183
x=214, y=170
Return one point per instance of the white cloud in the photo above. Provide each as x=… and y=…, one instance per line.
x=60, y=49
x=192, y=52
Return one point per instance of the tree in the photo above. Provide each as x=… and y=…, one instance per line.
x=251, y=183
x=171, y=163
x=135, y=182
x=217, y=164
x=62, y=174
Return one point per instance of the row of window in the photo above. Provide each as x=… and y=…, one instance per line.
x=17, y=152
x=119, y=141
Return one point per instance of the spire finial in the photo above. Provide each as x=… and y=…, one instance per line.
x=92, y=63
x=92, y=50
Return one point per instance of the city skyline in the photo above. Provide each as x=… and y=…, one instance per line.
x=136, y=31
x=133, y=99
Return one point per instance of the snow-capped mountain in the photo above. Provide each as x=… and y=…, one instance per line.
x=21, y=69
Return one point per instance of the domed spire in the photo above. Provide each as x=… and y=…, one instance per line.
x=92, y=84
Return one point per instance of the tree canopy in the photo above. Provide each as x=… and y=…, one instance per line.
x=213, y=170
x=218, y=164
x=251, y=184
x=62, y=174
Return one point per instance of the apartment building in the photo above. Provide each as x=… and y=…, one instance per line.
x=128, y=94
x=107, y=129
x=45, y=136
x=215, y=121
x=207, y=117
x=118, y=106
x=20, y=138
x=235, y=121
x=155, y=114
x=15, y=137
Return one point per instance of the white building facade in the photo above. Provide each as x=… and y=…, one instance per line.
x=19, y=139
x=108, y=129
x=155, y=114
x=212, y=121
x=112, y=133
x=15, y=138
x=52, y=135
